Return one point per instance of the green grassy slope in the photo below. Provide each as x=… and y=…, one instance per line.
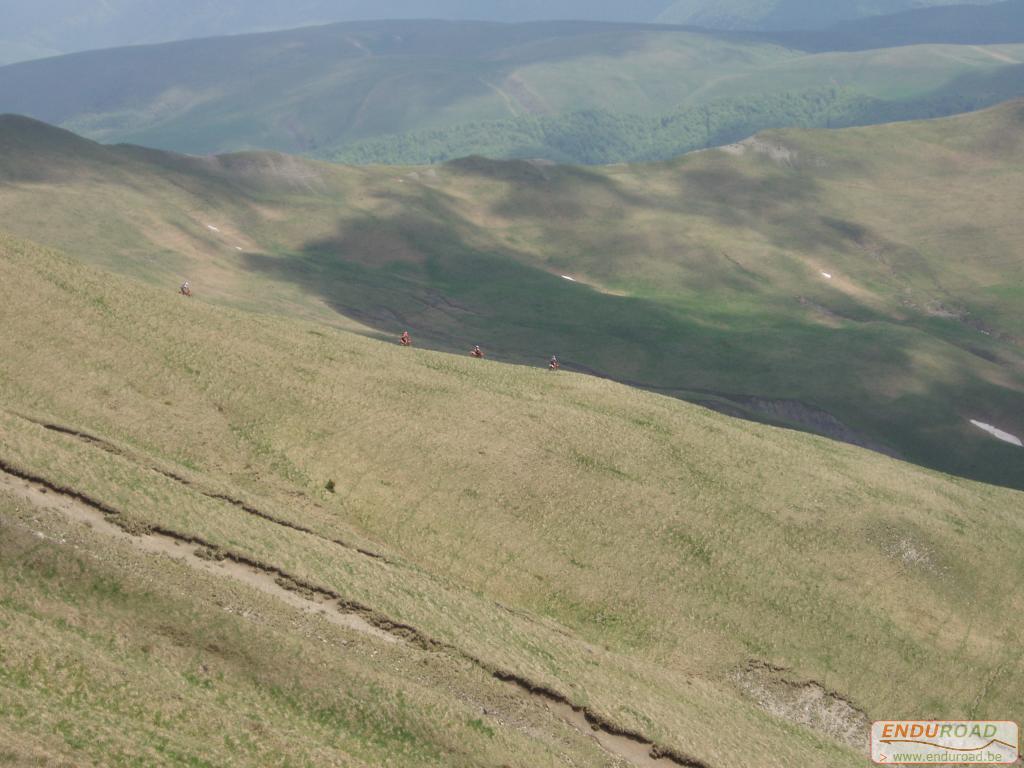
x=329, y=90
x=702, y=277
x=636, y=554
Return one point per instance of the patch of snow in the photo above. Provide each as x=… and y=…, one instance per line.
x=570, y=279
x=826, y=275
x=212, y=228
x=999, y=434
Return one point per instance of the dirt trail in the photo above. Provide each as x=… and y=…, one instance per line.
x=109, y=447
x=637, y=752
x=193, y=552
x=161, y=544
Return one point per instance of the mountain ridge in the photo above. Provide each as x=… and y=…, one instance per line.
x=56, y=28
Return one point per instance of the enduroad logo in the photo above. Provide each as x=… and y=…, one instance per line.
x=945, y=742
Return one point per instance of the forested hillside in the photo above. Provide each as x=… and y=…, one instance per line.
x=598, y=137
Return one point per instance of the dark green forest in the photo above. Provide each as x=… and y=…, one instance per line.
x=596, y=137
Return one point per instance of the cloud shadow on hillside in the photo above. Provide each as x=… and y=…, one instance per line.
x=452, y=296
x=428, y=278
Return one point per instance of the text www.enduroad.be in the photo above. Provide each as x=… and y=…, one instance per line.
x=950, y=757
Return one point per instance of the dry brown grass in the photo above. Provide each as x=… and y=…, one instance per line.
x=647, y=549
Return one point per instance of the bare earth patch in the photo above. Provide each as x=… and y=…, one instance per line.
x=806, y=703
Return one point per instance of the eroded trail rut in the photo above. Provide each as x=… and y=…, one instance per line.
x=109, y=447
x=196, y=553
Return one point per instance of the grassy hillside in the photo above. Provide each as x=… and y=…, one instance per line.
x=733, y=594
x=347, y=91
x=703, y=278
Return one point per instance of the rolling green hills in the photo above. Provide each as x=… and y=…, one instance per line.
x=864, y=284
x=418, y=92
x=231, y=538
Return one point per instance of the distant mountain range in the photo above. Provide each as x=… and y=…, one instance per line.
x=38, y=29
x=582, y=92
x=961, y=24
x=789, y=14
